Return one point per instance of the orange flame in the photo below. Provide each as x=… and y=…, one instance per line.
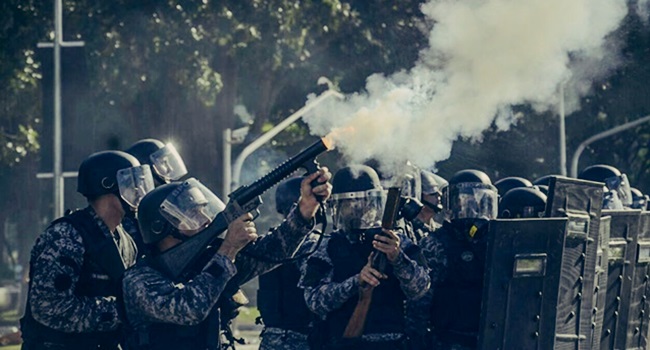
x=328, y=141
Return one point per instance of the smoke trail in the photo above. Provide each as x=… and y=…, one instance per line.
x=484, y=56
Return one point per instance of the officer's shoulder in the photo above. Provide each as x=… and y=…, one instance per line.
x=61, y=228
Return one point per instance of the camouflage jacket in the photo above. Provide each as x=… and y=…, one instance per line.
x=150, y=296
x=56, y=260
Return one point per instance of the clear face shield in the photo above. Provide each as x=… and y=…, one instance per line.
x=357, y=210
x=191, y=207
x=471, y=200
x=134, y=183
x=621, y=185
x=168, y=164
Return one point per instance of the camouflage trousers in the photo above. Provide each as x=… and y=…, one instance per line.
x=283, y=339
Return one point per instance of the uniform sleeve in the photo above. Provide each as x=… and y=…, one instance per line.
x=57, y=259
x=150, y=296
x=322, y=295
x=434, y=253
x=280, y=243
x=413, y=277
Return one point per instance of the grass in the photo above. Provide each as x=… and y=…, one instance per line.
x=247, y=315
x=10, y=347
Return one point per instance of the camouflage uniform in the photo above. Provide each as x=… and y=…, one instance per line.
x=55, y=298
x=325, y=296
x=154, y=300
x=275, y=338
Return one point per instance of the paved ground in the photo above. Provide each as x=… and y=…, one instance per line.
x=252, y=340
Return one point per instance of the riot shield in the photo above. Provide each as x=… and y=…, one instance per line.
x=521, y=283
x=639, y=310
x=624, y=232
x=600, y=282
x=580, y=201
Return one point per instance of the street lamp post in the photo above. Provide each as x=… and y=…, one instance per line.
x=57, y=168
x=264, y=138
x=599, y=136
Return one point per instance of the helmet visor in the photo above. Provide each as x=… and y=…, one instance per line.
x=191, y=206
x=134, y=183
x=168, y=164
x=470, y=200
x=358, y=210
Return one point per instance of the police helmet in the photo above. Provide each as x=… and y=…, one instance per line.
x=431, y=183
x=542, y=188
x=114, y=172
x=522, y=202
x=544, y=180
x=471, y=195
x=431, y=193
x=179, y=209
x=507, y=183
x=357, y=199
x=287, y=193
x=639, y=200
x=614, y=181
x=164, y=159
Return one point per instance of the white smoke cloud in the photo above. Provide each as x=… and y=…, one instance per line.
x=484, y=56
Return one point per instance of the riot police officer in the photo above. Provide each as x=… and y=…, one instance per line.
x=456, y=258
x=166, y=165
x=279, y=300
x=341, y=270
x=507, y=183
x=77, y=263
x=617, y=194
x=170, y=312
x=522, y=202
x=431, y=215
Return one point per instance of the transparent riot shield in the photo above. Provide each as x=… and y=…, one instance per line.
x=521, y=283
x=623, y=240
x=580, y=201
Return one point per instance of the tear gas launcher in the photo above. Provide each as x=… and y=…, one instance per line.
x=180, y=261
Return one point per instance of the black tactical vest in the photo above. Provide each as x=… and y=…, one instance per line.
x=100, y=275
x=456, y=309
x=280, y=302
x=386, y=312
